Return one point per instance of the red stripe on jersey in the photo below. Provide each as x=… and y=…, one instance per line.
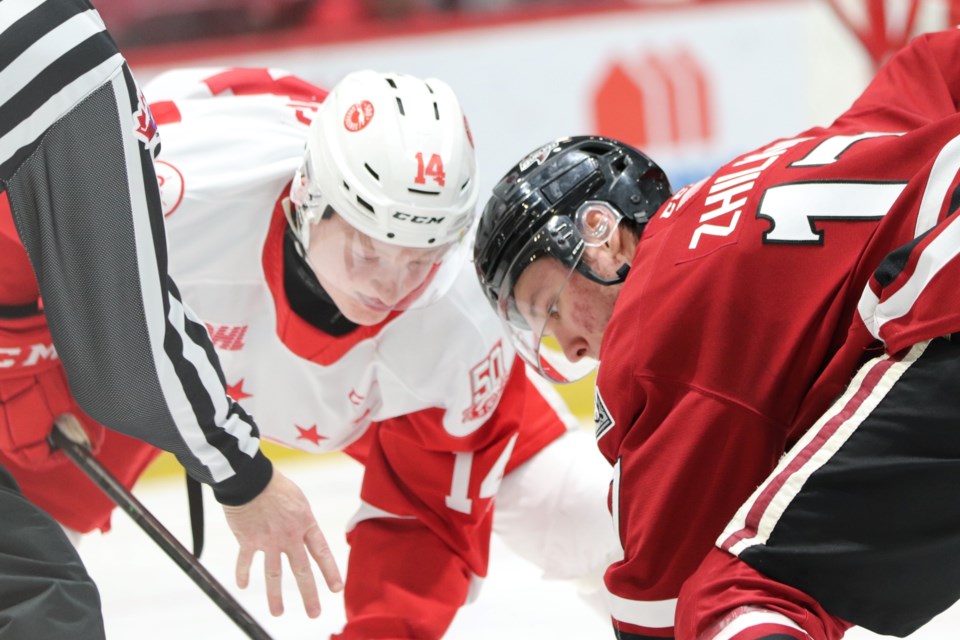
x=18, y=285
x=165, y=112
x=763, y=501
x=258, y=81
x=540, y=424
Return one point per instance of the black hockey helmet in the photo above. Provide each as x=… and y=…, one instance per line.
x=537, y=210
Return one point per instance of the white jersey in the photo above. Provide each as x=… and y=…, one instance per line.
x=225, y=168
x=431, y=400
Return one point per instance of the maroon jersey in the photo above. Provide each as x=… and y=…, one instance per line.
x=747, y=310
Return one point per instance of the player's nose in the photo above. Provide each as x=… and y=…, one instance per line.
x=388, y=290
x=575, y=347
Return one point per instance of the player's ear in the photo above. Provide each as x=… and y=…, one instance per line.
x=622, y=244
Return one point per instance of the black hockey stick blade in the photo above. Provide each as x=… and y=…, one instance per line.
x=77, y=448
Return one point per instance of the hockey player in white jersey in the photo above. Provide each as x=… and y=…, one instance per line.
x=323, y=241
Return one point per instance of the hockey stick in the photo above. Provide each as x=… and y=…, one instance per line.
x=70, y=437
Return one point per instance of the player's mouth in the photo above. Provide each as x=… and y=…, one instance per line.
x=374, y=304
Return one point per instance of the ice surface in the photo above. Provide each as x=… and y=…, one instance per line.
x=147, y=597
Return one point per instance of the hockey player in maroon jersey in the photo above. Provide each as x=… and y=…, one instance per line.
x=794, y=301
x=336, y=289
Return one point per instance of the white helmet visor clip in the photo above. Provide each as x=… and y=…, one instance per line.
x=308, y=205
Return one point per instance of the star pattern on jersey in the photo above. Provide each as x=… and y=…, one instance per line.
x=236, y=391
x=310, y=434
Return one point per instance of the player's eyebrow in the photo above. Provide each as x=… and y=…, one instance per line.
x=536, y=302
x=366, y=242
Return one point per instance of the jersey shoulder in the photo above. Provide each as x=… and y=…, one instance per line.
x=211, y=82
x=450, y=331
x=452, y=354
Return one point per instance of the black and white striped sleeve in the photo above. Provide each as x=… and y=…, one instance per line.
x=76, y=162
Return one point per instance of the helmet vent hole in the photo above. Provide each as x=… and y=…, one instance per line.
x=436, y=111
x=391, y=235
x=370, y=170
x=429, y=88
x=595, y=148
x=464, y=186
x=346, y=186
x=431, y=240
x=391, y=82
x=363, y=203
x=400, y=106
x=423, y=192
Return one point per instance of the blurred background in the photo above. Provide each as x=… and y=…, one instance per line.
x=691, y=82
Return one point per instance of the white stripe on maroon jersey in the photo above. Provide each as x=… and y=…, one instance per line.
x=758, y=516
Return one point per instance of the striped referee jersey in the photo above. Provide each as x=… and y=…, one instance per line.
x=76, y=165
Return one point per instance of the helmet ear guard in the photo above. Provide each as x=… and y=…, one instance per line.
x=596, y=221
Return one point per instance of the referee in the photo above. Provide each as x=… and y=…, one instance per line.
x=77, y=184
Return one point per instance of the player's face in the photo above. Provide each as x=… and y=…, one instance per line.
x=570, y=308
x=366, y=278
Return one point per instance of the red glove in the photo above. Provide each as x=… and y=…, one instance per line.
x=33, y=392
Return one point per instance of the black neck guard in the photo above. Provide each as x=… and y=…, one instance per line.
x=306, y=295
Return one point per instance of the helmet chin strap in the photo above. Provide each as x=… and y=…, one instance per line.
x=622, y=272
x=593, y=277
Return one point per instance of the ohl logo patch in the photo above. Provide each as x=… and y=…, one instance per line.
x=227, y=337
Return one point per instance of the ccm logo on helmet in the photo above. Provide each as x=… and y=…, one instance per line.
x=418, y=219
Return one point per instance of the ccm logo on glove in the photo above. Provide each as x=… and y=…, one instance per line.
x=33, y=392
x=26, y=356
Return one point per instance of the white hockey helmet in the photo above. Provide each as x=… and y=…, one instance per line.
x=393, y=155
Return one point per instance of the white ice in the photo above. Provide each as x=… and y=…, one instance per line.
x=147, y=597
